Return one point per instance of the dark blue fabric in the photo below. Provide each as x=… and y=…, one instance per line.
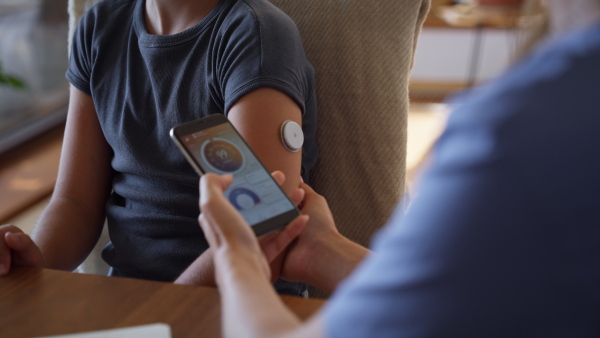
x=503, y=239
x=143, y=85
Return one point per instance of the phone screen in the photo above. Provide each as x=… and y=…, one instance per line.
x=253, y=192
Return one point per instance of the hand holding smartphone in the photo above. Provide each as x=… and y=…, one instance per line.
x=211, y=144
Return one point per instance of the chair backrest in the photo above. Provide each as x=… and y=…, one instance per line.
x=76, y=9
x=362, y=52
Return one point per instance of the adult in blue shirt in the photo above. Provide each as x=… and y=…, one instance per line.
x=503, y=239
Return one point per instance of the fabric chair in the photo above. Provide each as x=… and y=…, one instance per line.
x=362, y=52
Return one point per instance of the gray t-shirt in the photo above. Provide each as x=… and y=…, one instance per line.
x=142, y=85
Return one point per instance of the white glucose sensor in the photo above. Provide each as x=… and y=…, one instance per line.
x=292, y=136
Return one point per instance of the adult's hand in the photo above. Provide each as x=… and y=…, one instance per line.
x=250, y=306
x=321, y=256
x=17, y=249
x=228, y=233
x=319, y=233
x=272, y=245
x=201, y=271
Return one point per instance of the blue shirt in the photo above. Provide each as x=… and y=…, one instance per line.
x=143, y=85
x=503, y=239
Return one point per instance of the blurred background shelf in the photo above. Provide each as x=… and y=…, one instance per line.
x=33, y=48
x=462, y=45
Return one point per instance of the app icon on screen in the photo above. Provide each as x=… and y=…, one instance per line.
x=222, y=155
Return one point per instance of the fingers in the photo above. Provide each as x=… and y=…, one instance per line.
x=209, y=232
x=279, y=177
x=211, y=195
x=226, y=181
x=17, y=249
x=220, y=221
x=4, y=257
x=25, y=251
x=297, y=196
x=307, y=188
x=17, y=241
x=5, y=251
x=276, y=244
x=311, y=196
x=214, y=183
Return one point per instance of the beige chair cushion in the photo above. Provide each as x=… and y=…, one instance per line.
x=76, y=9
x=362, y=52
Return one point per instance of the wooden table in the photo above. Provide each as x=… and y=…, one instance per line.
x=42, y=302
x=28, y=173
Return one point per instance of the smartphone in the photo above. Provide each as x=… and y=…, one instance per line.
x=212, y=145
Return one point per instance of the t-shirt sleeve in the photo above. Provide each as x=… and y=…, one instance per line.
x=263, y=49
x=80, y=60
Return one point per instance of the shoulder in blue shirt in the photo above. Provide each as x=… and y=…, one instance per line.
x=503, y=239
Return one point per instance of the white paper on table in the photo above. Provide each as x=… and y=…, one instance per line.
x=158, y=330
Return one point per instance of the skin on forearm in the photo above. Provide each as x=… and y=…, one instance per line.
x=71, y=224
x=200, y=272
x=251, y=308
x=66, y=233
x=336, y=261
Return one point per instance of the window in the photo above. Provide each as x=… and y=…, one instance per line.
x=33, y=48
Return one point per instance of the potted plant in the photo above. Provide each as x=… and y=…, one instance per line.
x=10, y=81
